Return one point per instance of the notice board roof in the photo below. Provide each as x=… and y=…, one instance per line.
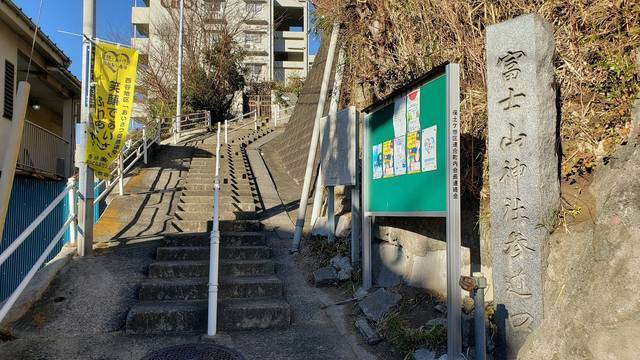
x=438, y=70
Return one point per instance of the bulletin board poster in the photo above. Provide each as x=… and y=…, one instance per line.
x=407, y=143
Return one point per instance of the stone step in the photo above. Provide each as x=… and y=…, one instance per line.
x=208, y=215
x=228, y=188
x=227, y=238
x=177, y=253
x=247, y=314
x=209, y=187
x=200, y=268
x=231, y=207
x=167, y=317
x=197, y=288
x=242, y=198
x=241, y=226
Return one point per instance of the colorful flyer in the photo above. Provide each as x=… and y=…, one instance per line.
x=400, y=117
x=413, y=111
x=400, y=155
x=429, y=146
x=413, y=152
x=387, y=155
x=377, y=161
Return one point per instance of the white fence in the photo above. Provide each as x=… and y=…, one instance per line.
x=241, y=122
x=282, y=116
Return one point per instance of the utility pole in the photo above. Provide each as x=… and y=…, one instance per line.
x=86, y=183
x=315, y=136
x=180, y=53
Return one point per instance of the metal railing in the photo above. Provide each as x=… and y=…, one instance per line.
x=128, y=159
x=190, y=122
x=240, y=123
x=282, y=116
x=70, y=224
x=42, y=150
x=214, y=250
x=139, y=150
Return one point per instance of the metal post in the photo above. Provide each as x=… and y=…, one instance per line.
x=304, y=198
x=12, y=149
x=356, y=219
x=86, y=182
x=454, y=313
x=275, y=118
x=367, y=225
x=226, y=132
x=317, y=198
x=73, y=213
x=331, y=215
x=214, y=249
x=333, y=110
x=179, y=84
x=479, y=321
x=144, y=145
x=120, y=174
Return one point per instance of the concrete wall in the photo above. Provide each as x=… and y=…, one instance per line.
x=292, y=146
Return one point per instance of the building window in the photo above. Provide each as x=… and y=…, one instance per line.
x=255, y=71
x=252, y=40
x=253, y=9
x=9, y=86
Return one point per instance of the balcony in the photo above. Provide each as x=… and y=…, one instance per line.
x=140, y=44
x=42, y=151
x=140, y=15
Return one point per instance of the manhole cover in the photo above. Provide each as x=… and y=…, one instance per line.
x=195, y=352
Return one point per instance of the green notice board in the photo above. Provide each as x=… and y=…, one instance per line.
x=421, y=188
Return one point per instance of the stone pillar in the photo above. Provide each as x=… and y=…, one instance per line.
x=523, y=170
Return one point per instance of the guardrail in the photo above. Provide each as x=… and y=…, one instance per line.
x=282, y=115
x=240, y=120
x=138, y=150
x=190, y=122
x=70, y=223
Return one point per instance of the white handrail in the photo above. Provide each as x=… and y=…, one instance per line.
x=25, y=234
x=214, y=250
x=23, y=284
x=140, y=152
x=226, y=124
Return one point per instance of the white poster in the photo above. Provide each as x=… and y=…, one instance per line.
x=400, y=155
x=400, y=117
x=413, y=111
x=429, y=147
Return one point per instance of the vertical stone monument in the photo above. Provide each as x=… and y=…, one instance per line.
x=523, y=170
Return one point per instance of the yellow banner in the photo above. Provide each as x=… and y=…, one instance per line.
x=114, y=75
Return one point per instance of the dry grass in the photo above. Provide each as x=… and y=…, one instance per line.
x=390, y=42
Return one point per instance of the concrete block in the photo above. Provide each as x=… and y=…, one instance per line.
x=378, y=304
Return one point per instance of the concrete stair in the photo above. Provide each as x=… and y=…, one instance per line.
x=173, y=299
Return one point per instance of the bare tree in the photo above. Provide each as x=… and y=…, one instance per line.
x=213, y=67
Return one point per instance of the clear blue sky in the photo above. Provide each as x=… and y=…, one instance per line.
x=113, y=23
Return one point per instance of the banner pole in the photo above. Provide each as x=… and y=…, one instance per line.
x=86, y=180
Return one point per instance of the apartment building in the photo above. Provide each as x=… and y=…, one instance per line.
x=274, y=33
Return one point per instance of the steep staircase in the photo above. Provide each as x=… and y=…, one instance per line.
x=174, y=297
